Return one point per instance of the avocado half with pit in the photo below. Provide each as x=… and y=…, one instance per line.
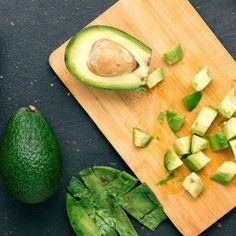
x=108, y=58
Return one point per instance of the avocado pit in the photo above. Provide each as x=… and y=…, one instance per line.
x=108, y=59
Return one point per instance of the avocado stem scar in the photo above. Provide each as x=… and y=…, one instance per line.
x=31, y=108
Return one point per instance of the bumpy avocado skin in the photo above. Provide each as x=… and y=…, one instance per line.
x=30, y=158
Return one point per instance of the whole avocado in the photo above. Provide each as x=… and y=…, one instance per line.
x=30, y=157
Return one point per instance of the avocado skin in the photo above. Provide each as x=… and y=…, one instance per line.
x=30, y=158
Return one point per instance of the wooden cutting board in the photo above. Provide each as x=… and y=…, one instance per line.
x=161, y=24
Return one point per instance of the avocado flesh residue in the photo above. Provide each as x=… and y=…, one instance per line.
x=102, y=198
x=166, y=179
x=161, y=117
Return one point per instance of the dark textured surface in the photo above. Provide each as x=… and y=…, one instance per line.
x=30, y=30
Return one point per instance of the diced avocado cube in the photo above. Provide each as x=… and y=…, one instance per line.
x=225, y=173
x=143, y=206
x=155, y=77
x=192, y=100
x=77, y=188
x=171, y=161
x=233, y=146
x=218, y=141
x=204, y=120
x=228, y=106
x=174, y=55
x=182, y=145
x=193, y=184
x=230, y=128
x=175, y=121
x=141, y=138
x=198, y=144
x=201, y=79
x=197, y=161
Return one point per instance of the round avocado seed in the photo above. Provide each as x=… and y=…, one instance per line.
x=108, y=58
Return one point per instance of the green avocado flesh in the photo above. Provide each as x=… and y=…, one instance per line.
x=104, y=197
x=141, y=138
x=218, y=141
x=143, y=206
x=197, y=161
x=174, y=55
x=192, y=100
x=161, y=117
x=155, y=77
x=30, y=158
x=175, y=121
x=193, y=184
x=171, y=160
x=225, y=173
x=198, y=144
x=79, y=47
x=204, y=120
x=166, y=179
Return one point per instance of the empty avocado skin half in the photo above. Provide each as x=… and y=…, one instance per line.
x=121, y=65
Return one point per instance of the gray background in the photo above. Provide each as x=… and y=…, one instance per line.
x=29, y=31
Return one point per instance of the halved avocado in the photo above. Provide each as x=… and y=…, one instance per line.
x=81, y=49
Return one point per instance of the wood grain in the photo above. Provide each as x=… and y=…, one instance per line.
x=161, y=24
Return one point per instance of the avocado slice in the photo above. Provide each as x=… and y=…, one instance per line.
x=108, y=58
x=141, y=138
x=228, y=106
x=197, y=161
x=79, y=219
x=155, y=77
x=230, y=128
x=122, y=184
x=171, y=160
x=198, y=144
x=77, y=188
x=218, y=141
x=143, y=206
x=30, y=157
x=182, y=145
x=201, y=79
x=106, y=174
x=193, y=184
x=204, y=120
x=103, y=228
x=225, y=173
x=192, y=100
x=174, y=55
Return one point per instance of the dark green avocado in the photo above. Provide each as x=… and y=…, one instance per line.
x=30, y=158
